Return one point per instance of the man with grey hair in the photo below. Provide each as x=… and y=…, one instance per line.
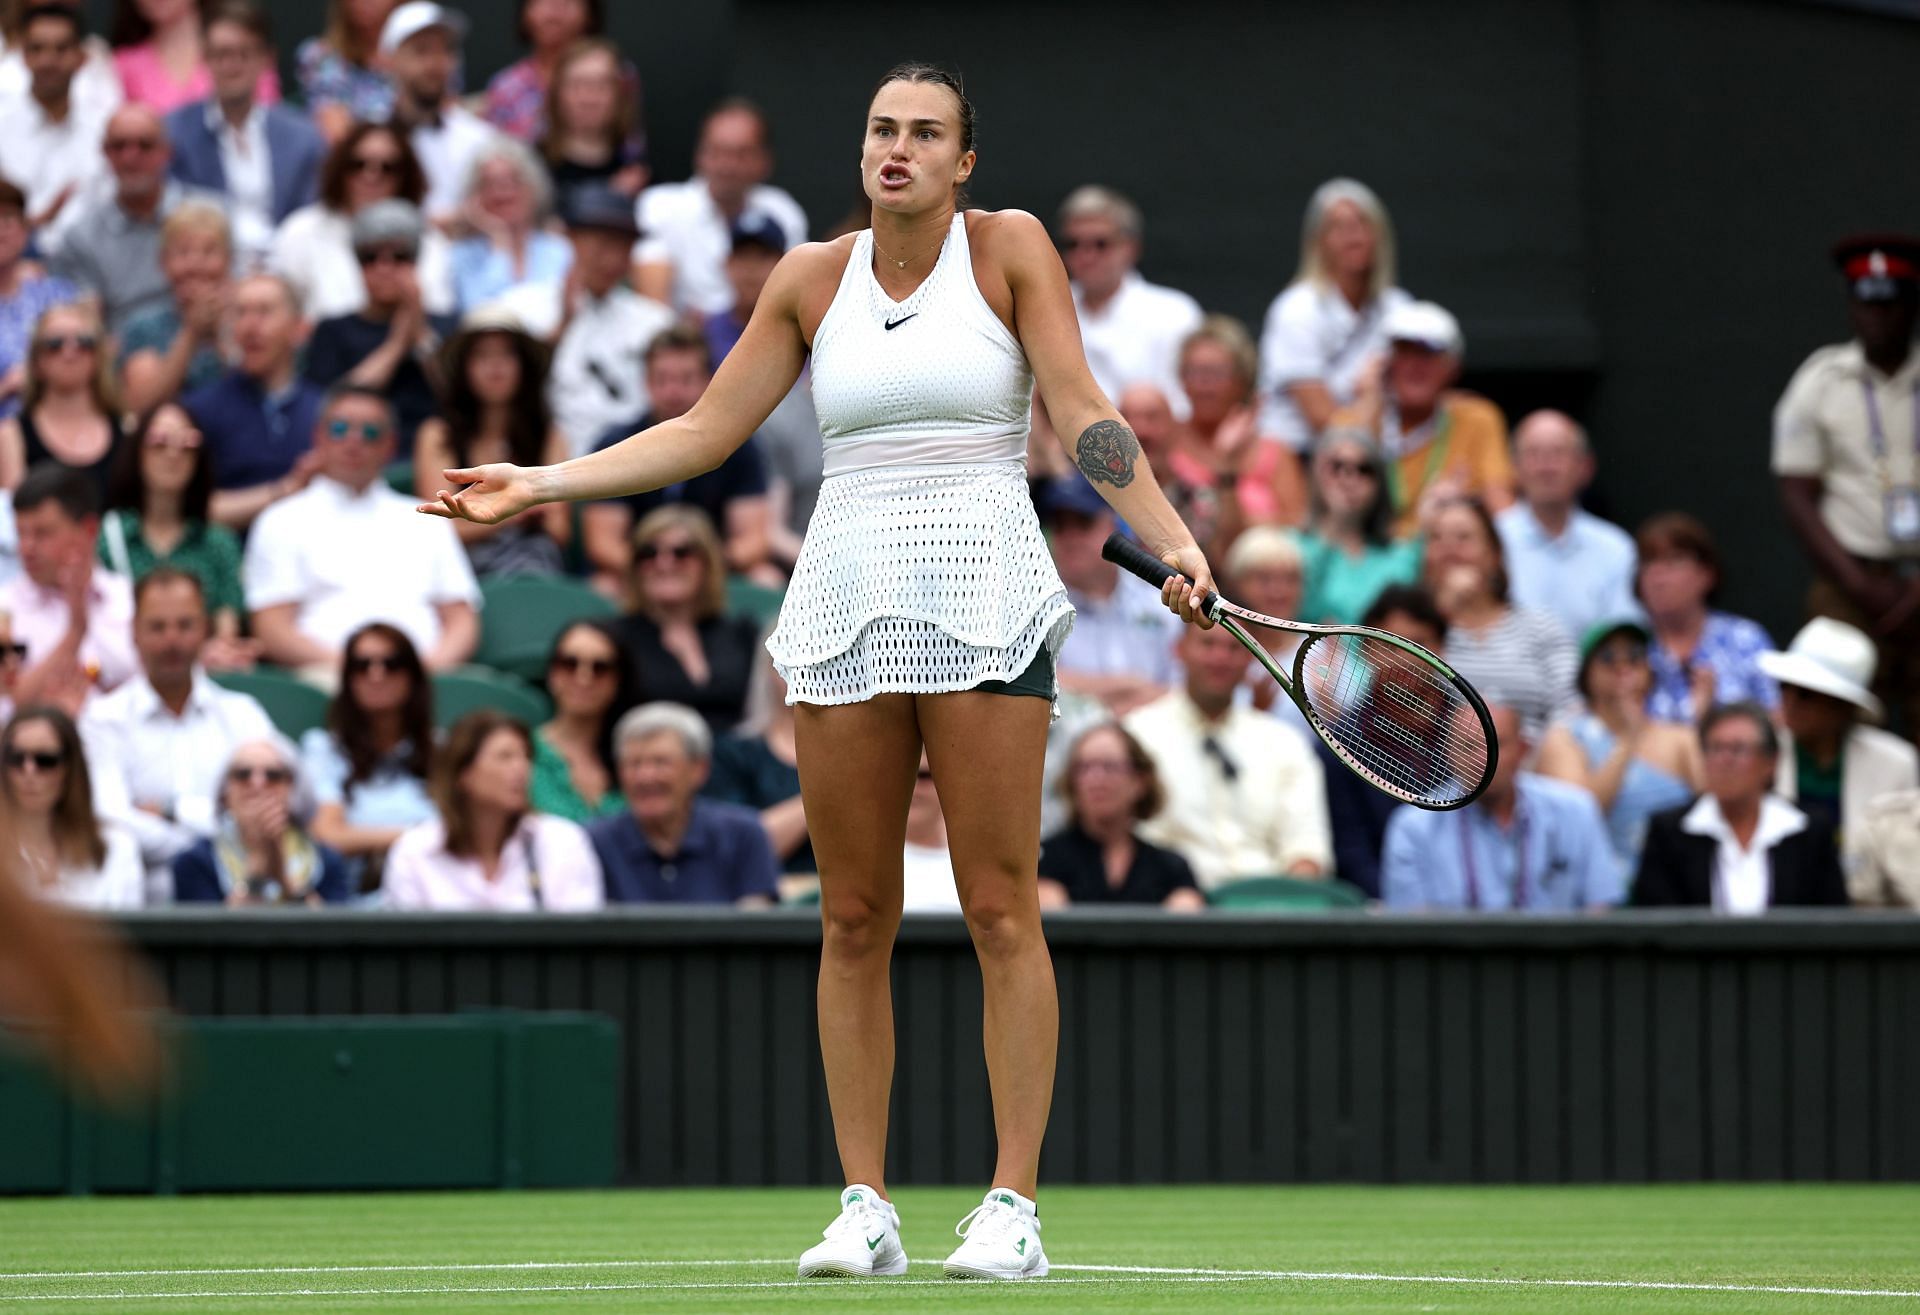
x=671, y=846
x=1561, y=559
x=1131, y=329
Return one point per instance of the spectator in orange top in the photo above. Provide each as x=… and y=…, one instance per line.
x=1441, y=442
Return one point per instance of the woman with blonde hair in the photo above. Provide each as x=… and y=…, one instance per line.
x=686, y=648
x=68, y=412
x=1221, y=443
x=508, y=200
x=1324, y=332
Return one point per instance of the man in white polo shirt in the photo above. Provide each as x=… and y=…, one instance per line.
x=347, y=550
x=1131, y=329
x=689, y=226
x=599, y=328
x=421, y=44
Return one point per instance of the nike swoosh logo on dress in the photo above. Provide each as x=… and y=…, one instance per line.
x=894, y=324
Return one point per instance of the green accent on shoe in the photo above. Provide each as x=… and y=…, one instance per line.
x=1007, y=1200
x=1020, y=1247
x=873, y=1243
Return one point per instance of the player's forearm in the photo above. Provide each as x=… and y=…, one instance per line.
x=1108, y=454
x=668, y=453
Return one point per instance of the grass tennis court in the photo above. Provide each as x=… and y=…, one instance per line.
x=1228, y=1249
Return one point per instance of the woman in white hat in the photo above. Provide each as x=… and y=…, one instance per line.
x=1832, y=765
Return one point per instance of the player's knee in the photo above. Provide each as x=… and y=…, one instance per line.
x=855, y=925
x=1002, y=914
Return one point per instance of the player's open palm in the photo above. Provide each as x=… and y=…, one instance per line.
x=485, y=495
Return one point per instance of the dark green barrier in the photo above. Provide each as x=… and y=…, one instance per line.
x=473, y=1100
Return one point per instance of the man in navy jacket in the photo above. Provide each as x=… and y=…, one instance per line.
x=264, y=159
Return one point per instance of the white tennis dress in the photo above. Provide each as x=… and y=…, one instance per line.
x=924, y=569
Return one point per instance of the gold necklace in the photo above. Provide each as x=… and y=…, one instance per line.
x=902, y=264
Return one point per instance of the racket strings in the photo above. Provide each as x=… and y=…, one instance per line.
x=1396, y=717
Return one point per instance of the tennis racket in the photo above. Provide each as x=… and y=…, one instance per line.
x=1405, y=722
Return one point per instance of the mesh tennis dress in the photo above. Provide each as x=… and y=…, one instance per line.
x=924, y=569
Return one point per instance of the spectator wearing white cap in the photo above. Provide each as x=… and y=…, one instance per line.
x=1831, y=764
x=421, y=45
x=689, y=226
x=1324, y=333
x=1441, y=442
x=1131, y=329
x=1563, y=560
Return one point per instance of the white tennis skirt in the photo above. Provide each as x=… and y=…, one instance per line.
x=919, y=580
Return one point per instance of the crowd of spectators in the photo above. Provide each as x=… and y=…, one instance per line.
x=244, y=327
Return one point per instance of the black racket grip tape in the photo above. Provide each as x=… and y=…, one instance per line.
x=1130, y=556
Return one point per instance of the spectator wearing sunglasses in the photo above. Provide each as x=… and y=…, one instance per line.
x=261, y=852
x=1132, y=329
x=256, y=418
x=1347, y=551
x=13, y=657
x=590, y=676
x=313, y=249
x=370, y=763
x=159, y=492
x=67, y=853
x=68, y=414
x=381, y=560
x=391, y=344
x=685, y=646
x=160, y=742
x=175, y=346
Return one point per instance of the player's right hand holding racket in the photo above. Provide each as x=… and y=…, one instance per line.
x=1399, y=717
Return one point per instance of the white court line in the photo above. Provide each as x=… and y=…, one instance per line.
x=1100, y=1273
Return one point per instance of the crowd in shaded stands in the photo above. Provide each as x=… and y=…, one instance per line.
x=244, y=328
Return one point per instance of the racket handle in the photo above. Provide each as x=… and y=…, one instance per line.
x=1130, y=556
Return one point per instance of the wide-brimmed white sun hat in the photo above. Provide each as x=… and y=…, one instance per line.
x=1828, y=657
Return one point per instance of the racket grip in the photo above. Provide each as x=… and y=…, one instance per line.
x=1130, y=556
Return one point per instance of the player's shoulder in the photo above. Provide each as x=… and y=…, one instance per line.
x=809, y=263
x=1007, y=231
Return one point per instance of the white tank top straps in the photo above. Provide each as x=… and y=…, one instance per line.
x=923, y=569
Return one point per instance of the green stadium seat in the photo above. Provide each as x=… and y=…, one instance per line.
x=295, y=706
x=467, y=689
x=521, y=617
x=1287, y=895
x=759, y=601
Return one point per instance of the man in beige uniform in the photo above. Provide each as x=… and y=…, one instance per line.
x=1846, y=449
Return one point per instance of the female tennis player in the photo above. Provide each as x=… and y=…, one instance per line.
x=924, y=609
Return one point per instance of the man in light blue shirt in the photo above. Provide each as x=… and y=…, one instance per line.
x=1121, y=648
x=1562, y=560
x=1530, y=844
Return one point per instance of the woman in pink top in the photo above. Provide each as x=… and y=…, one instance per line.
x=1219, y=444
x=156, y=48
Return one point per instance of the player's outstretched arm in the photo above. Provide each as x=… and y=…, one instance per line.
x=757, y=373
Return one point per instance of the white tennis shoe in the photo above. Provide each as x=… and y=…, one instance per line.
x=864, y=1242
x=1002, y=1240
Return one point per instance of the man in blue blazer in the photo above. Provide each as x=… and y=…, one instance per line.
x=264, y=159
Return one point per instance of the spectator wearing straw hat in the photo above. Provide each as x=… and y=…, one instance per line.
x=1831, y=764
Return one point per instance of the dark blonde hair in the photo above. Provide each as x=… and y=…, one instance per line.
x=681, y=516
x=464, y=743
x=76, y=828
x=626, y=109
x=101, y=387
x=1152, y=798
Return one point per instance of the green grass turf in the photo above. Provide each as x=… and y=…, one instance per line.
x=1805, y=1236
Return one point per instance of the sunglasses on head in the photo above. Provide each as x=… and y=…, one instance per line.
x=360, y=666
x=573, y=664
x=368, y=164
x=385, y=256
x=369, y=431
x=46, y=760
x=267, y=775
x=676, y=552
x=59, y=342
